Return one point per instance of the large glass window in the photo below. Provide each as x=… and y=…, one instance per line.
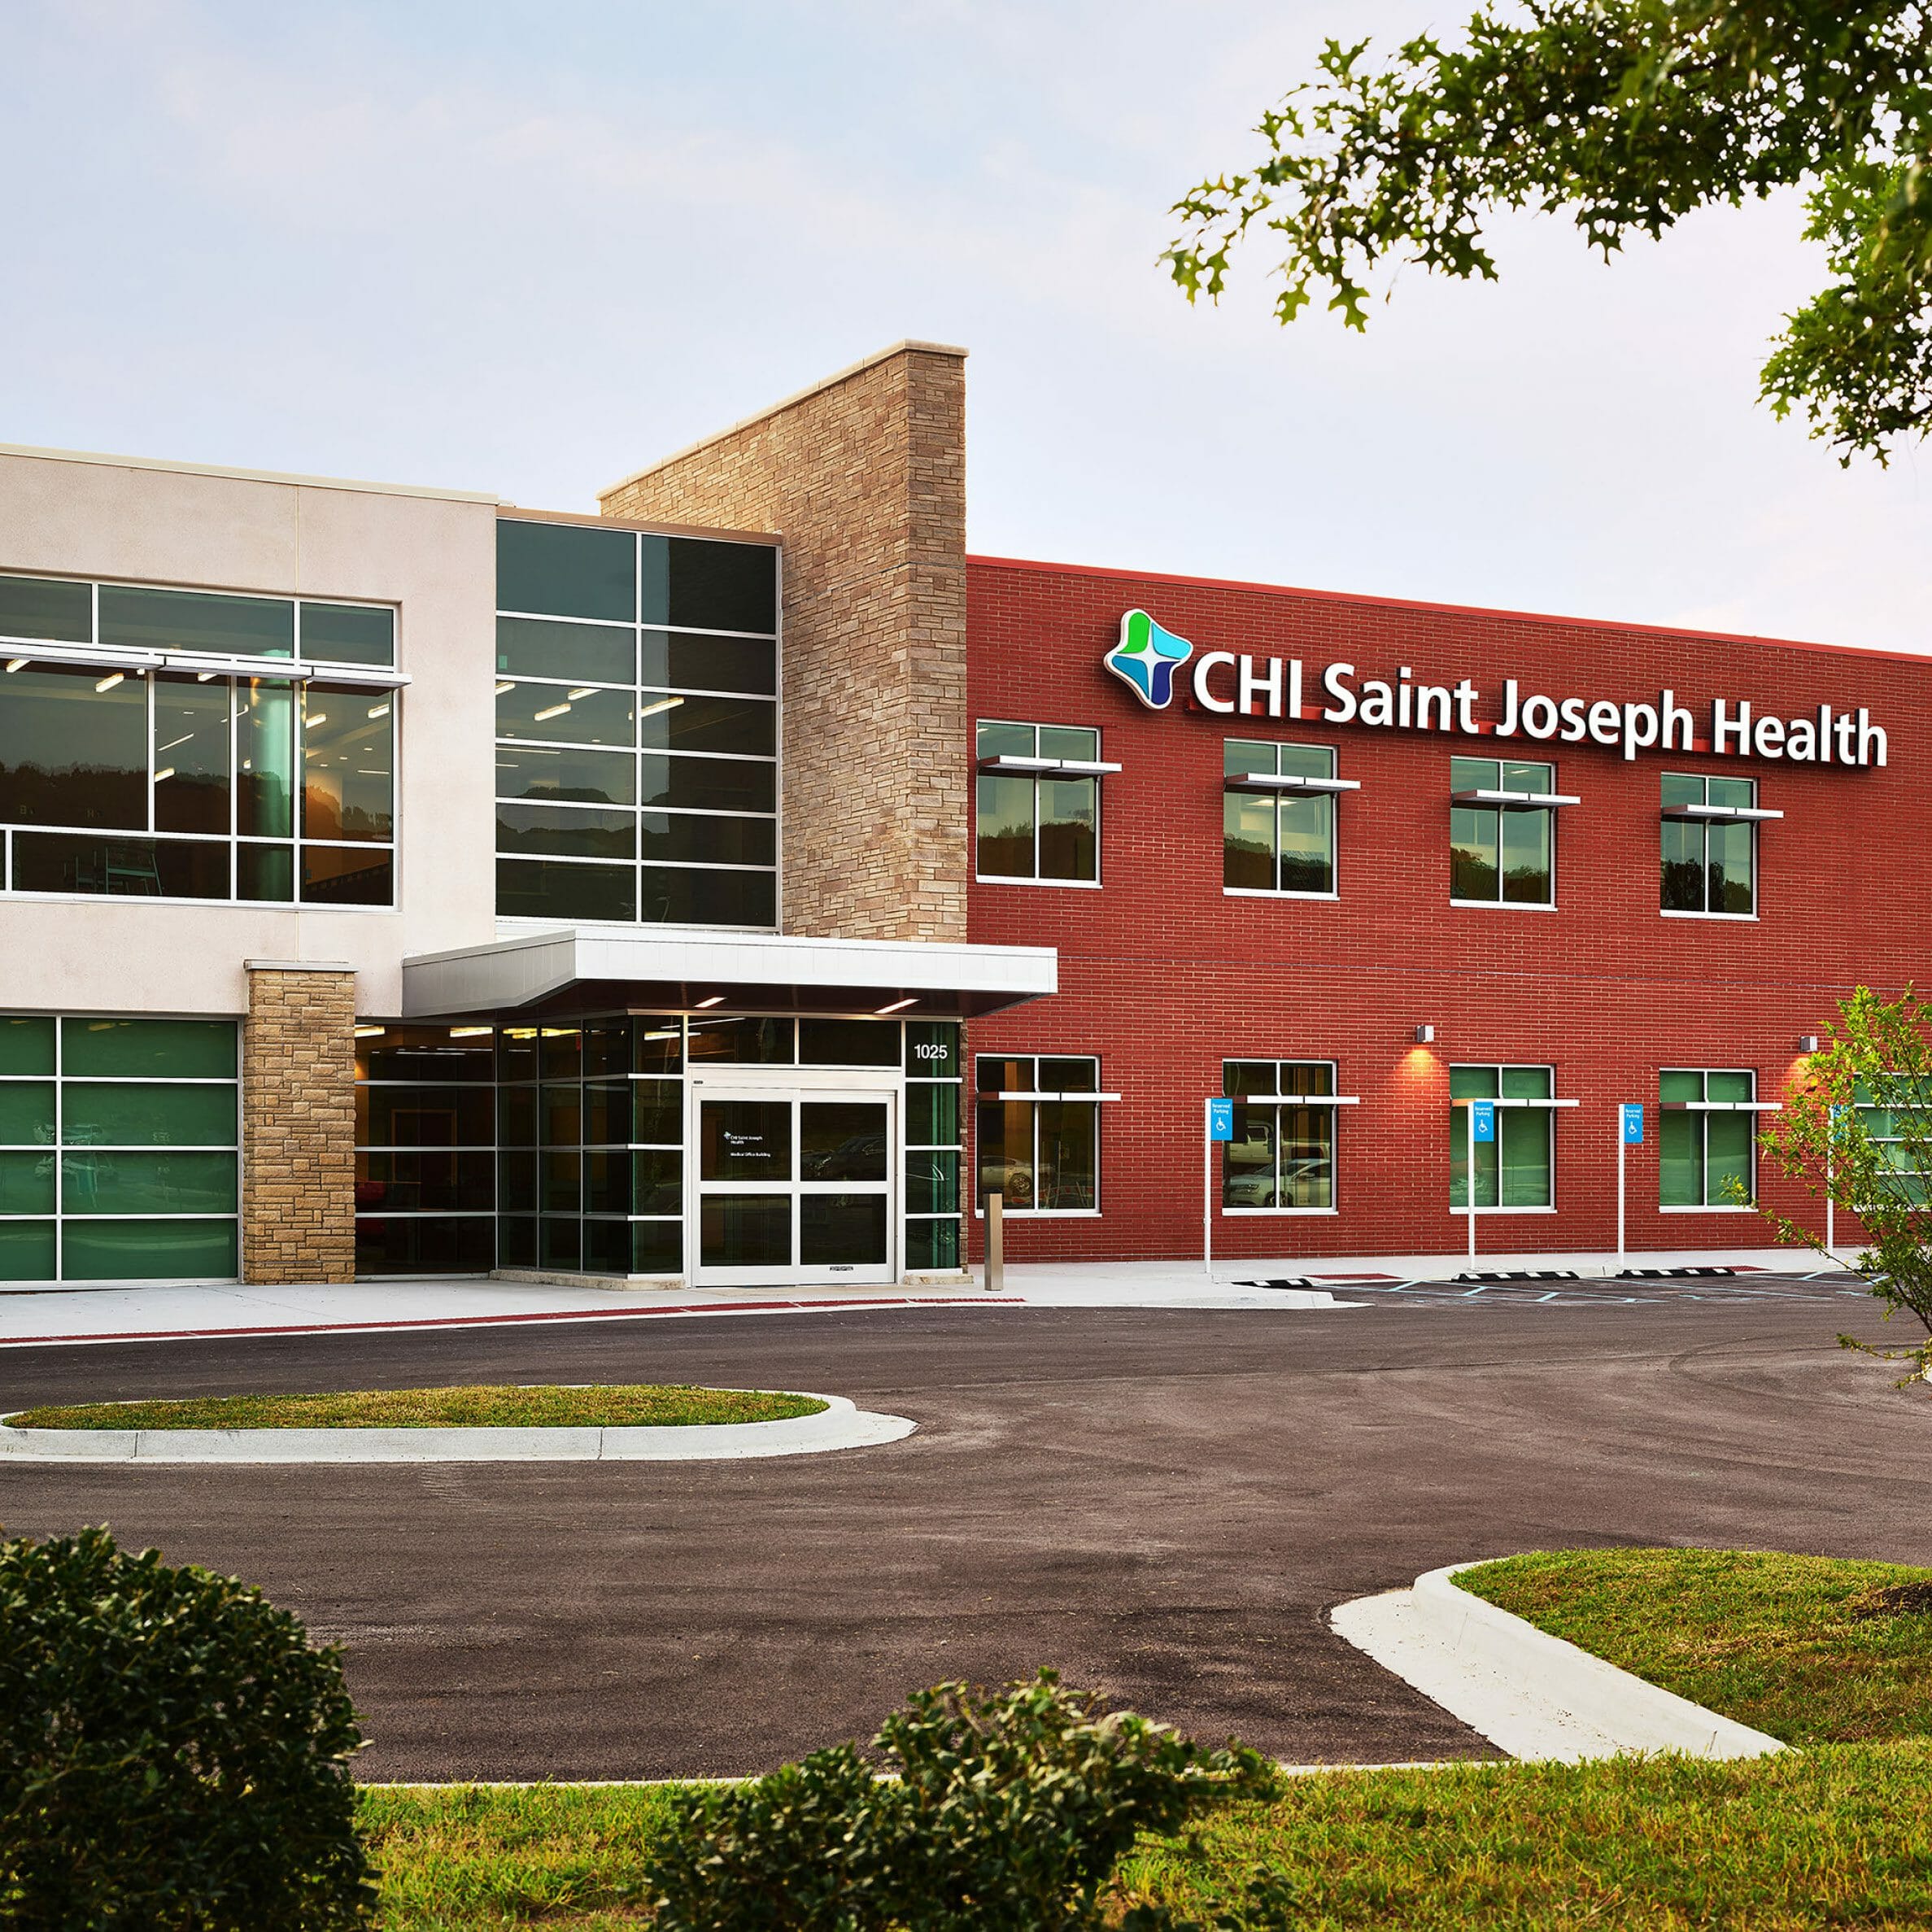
x=119, y=1149
x=1039, y=1132
x=1709, y=863
x=1706, y=1131
x=935, y=1121
x=1501, y=854
x=174, y=785
x=637, y=726
x=1516, y=1169
x=1274, y=839
x=1038, y=824
x=1282, y=1156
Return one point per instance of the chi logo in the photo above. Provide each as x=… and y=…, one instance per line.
x=1146, y=659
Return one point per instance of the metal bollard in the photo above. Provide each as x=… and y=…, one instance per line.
x=996, y=1244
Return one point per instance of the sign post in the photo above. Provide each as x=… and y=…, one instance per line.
x=1629, y=1133
x=1482, y=1127
x=1220, y=1127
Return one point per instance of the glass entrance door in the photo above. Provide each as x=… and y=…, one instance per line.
x=794, y=1188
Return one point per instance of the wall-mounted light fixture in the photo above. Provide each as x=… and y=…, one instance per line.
x=1808, y=1043
x=1424, y=1035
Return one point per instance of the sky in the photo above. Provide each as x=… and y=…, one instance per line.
x=529, y=248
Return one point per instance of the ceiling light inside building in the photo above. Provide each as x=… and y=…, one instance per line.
x=110, y=680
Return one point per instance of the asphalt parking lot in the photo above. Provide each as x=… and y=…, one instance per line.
x=1162, y=1504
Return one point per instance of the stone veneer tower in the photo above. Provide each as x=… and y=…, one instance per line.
x=863, y=477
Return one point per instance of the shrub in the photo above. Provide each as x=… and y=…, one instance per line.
x=1008, y=1814
x=172, y=1753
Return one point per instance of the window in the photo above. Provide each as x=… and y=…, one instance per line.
x=1039, y=1132
x=637, y=726
x=1502, y=853
x=1276, y=837
x=1041, y=824
x=1710, y=845
x=934, y=1075
x=1282, y=1156
x=1894, y=1116
x=1706, y=1128
x=1514, y=1170
x=119, y=1143
x=179, y=785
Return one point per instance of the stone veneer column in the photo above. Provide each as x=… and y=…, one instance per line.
x=863, y=477
x=299, y=1122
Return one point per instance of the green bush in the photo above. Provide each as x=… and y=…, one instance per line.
x=172, y=1753
x=1008, y=1814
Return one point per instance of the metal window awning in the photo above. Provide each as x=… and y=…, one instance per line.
x=589, y=969
x=1483, y=1099
x=1747, y=814
x=1720, y=1106
x=1270, y=781
x=1047, y=768
x=112, y=657
x=1514, y=801
x=1295, y=1100
x=1082, y=1093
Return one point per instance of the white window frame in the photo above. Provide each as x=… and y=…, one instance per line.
x=1552, y=1104
x=1754, y=1106
x=1095, y=768
x=1498, y=801
x=1035, y=1095
x=1330, y=787
x=1279, y=1100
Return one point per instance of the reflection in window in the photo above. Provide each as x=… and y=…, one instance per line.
x=1277, y=841
x=1709, y=866
x=1283, y=1152
x=1040, y=1150
x=1500, y=854
x=1704, y=1150
x=1043, y=825
x=1514, y=1170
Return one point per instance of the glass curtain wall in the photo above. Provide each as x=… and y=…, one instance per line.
x=185, y=784
x=119, y=1149
x=934, y=1144
x=637, y=726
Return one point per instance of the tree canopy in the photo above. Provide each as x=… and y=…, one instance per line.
x=1629, y=114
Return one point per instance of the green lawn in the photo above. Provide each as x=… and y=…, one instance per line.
x=1811, y=1649
x=483, y=1407
x=1835, y=1836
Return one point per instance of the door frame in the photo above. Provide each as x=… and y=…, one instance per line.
x=734, y=1082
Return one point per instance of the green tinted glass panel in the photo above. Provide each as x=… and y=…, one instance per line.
x=547, y=712
x=1473, y=1083
x=657, y=1112
x=685, y=660
x=932, y=1183
x=1474, y=774
x=567, y=831
x=657, y=1181
x=595, y=653
x=1680, y=1159
x=694, y=837
x=1738, y=794
x=1523, y=1142
x=26, y=1113
x=1526, y=778
x=1240, y=755
x=1307, y=835
x=690, y=897
x=1730, y=849
x=148, y=1115
x=1069, y=1075
x=932, y=1048
x=1680, y=788
x=668, y=721
x=26, y=1045
x=1682, y=848
x=155, y=1049
x=1475, y=853
x=1249, y=824
x=72, y=755
x=931, y=1245
x=703, y=584
x=932, y=1114
x=1069, y=741
x=1004, y=810
x=997, y=740
x=543, y=889
x=1068, y=814
x=147, y=1183
x=27, y=1182
x=1728, y=1086
x=1306, y=760
x=348, y=634
x=566, y=570
x=1528, y=878
x=715, y=784
x=1679, y=1085
x=588, y=778
x=147, y=1250
x=1727, y=1157
x=45, y=606
x=847, y=1043
x=190, y=757
x=1526, y=1083
x=27, y=1251
x=197, y=620
x=265, y=759
x=656, y=1247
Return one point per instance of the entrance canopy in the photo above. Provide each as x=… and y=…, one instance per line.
x=598, y=970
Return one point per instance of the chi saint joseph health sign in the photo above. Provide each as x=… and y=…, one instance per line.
x=1149, y=659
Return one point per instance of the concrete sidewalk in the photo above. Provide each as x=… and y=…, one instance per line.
x=30, y=1316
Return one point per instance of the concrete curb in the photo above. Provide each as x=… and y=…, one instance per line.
x=1536, y=1696
x=840, y=1425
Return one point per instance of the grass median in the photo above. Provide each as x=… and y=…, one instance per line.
x=1811, y=1650
x=478, y=1405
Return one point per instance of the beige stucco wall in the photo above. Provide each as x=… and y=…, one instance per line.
x=432, y=554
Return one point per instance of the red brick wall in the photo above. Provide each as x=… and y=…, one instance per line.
x=1163, y=976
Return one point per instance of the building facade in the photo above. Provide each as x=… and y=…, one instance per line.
x=734, y=886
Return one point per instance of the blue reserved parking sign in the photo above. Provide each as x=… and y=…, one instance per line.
x=1221, y=1120
x=1482, y=1119
x=1632, y=1113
